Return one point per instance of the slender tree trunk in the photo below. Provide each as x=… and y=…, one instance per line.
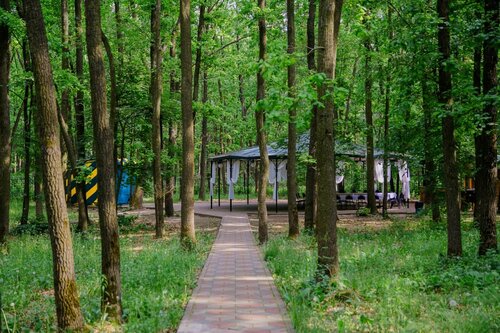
x=349, y=94
x=449, y=142
x=80, y=187
x=156, y=91
x=387, y=107
x=4, y=126
x=79, y=109
x=169, y=195
x=65, y=60
x=197, y=61
x=27, y=111
x=69, y=316
x=370, y=160
x=326, y=224
x=293, y=218
x=172, y=135
x=103, y=141
x=430, y=177
x=38, y=192
x=261, y=133
x=486, y=150
x=311, y=185
x=204, y=141
x=241, y=91
x=188, y=237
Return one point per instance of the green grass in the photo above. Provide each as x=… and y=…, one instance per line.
x=391, y=280
x=157, y=277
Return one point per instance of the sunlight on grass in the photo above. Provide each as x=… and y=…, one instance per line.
x=394, y=279
x=157, y=276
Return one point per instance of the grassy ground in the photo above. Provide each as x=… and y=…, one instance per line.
x=157, y=277
x=393, y=279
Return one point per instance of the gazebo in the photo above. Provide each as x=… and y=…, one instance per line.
x=278, y=155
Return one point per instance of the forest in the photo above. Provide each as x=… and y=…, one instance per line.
x=244, y=165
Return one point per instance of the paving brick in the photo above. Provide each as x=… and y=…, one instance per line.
x=235, y=292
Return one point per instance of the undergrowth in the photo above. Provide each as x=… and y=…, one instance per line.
x=157, y=280
x=395, y=279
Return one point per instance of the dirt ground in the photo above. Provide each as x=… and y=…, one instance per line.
x=279, y=223
x=146, y=219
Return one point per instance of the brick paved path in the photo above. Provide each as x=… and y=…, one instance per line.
x=235, y=292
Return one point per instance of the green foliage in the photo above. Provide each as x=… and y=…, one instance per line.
x=363, y=211
x=158, y=280
x=394, y=279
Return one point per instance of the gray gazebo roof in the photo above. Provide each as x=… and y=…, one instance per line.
x=279, y=150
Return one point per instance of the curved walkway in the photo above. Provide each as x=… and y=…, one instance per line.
x=235, y=291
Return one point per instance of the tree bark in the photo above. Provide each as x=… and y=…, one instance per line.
x=449, y=143
x=188, y=238
x=79, y=107
x=311, y=185
x=293, y=218
x=80, y=187
x=486, y=149
x=261, y=133
x=328, y=28
x=103, y=141
x=370, y=160
x=69, y=316
x=204, y=141
x=169, y=195
x=27, y=111
x=156, y=92
x=430, y=176
x=5, y=140
x=65, y=59
x=241, y=91
x=197, y=61
x=172, y=136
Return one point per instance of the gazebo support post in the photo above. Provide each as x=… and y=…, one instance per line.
x=218, y=181
x=277, y=183
x=211, y=185
x=397, y=190
x=248, y=182
x=230, y=182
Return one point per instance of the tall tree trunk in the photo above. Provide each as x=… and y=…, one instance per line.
x=204, y=141
x=311, y=185
x=293, y=218
x=103, y=141
x=387, y=107
x=261, y=133
x=80, y=187
x=4, y=126
x=370, y=160
x=156, y=91
x=65, y=60
x=113, y=113
x=79, y=109
x=197, y=61
x=241, y=92
x=449, y=143
x=172, y=136
x=119, y=37
x=188, y=237
x=38, y=192
x=169, y=193
x=69, y=316
x=349, y=94
x=430, y=176
x=328, y=28
x=486, y=150
x=27, y=137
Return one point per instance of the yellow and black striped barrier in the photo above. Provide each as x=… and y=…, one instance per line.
x=90, y=185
